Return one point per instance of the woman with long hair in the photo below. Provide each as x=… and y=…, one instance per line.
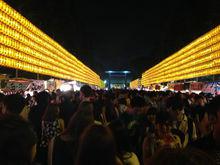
x=97, y=146
x=62, y=149
x=52, y=126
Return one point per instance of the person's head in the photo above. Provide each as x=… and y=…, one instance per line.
x=97, y=147
x=14, y=104
x=199, y=100
x=139, y=105
x=51, y=113
x=80, y=120
x=58, y=92
x=151, y=115
x=163, y=123
x=122, y=101
x=43, y=98
x=176, y=107
x=85, y=92
x=186, y=156
x=202, y=120
x=213, y=109
x=17, y=141
x=175, y=103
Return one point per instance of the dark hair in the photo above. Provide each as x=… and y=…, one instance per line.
x=122, y=101
x=14, y=103
x=188, y=156
x=138, y=102
x=43, y=98
x=51, y=113
x=214, y=106
x=86, y=90
x=96, y=147
x=152, y=111
x=175, y=103
x=200, y=112
x=80, y=120
x=16, y=140
x=163, y=117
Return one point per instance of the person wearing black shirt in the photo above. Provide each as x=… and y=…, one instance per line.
x=211, y=143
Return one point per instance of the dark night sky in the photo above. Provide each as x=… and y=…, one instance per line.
x=118, y=34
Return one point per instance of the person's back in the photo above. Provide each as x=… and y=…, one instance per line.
x=210, y=143
x=122, y=139
x=86, y=93
x=17, y=141
x=37, y=111
x=67, y=109
x=97, y=147
x=63, y=149
x=52, y=126
x=13, y=104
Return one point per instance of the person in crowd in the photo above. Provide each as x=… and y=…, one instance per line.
x=37, y=111
x=86, y=93
x=67, y=107
x=2, y=96
x=181, y=121
x=123, y=147
x=136, y=121
x=28, y=99
x=211, y=142
x=97, y=146
x=63, y=148
x=13, y=104
x=35, y=116
x=52, y=126
x=53, y=98
x=161, y=137
x=122, y=106
x=98, y=108
x=17, y=141
x=58, y=96
x=108, y=109
x=199, y=100
x=188, y=156
x=151, y=119
x=202, y=121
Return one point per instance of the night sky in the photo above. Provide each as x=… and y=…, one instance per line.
x=118, y=34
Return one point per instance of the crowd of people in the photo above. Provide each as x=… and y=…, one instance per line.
x=115, y=127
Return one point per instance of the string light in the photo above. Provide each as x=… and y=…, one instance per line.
x=134, y=84
x=23, y=46
x=199, y=58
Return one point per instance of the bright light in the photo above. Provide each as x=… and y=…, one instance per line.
x=105, y=81
x=76, y=88
x=126, y=72
x=65, y=87
x=72, y=82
